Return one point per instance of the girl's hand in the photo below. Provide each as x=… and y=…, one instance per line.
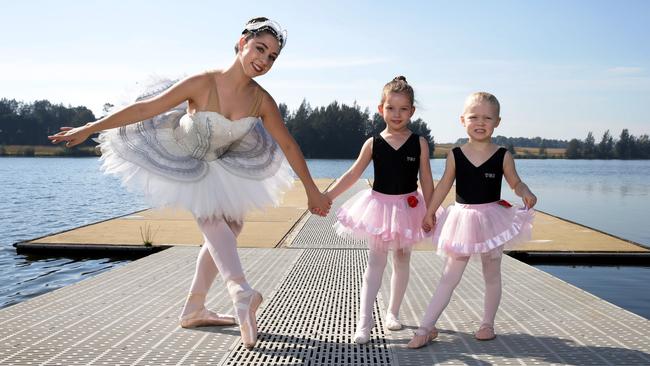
x=71, y=136
x=329, y=197
x=429, y=222
x=319, y=203
x=529, y=199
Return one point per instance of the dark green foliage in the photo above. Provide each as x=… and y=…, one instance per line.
x=606, y=146
x=574, y=149
x=31, y=123
x=338, y=131
x=626, y=147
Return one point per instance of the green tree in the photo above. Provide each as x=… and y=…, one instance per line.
x=573, y=150
x=589, y=147
x=606, y=146
x=643, y=147
x=420, y=127
x=284, y=111
x=625, y=145
x=542, y=148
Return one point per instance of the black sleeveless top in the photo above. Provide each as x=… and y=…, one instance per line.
x=478, y=184
x=396, y=171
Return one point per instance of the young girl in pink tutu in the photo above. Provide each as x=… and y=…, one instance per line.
x=389, y=216
x=479, y=223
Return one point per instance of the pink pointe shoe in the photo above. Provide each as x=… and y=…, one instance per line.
x=206, y=318
x=422, y=337
x=485, y=333
x=246, y=305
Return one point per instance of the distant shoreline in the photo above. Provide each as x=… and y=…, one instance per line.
x=47, y=151
x=440, y=152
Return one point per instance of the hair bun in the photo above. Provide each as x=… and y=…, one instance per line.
x=257, y=20
x=400, y=78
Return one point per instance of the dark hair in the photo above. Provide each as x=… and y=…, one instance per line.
x=398, y=85
x=266, y=29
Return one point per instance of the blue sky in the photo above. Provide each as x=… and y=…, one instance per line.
x=559, y=68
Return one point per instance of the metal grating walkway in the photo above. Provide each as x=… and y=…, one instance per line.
x=311, y=317
x=318, y=233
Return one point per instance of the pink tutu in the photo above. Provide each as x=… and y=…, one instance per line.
x=466, y=229
x=386, y=221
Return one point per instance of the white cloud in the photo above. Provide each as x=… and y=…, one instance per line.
x=328, y=63
x=625, y=70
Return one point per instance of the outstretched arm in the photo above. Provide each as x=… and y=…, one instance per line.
x=440, y=192
x=273, y=123
x=426, y=180
x=354, y=173
x=182, y=91
x=515, y=183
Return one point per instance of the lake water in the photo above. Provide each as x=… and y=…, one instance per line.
x=47, y=195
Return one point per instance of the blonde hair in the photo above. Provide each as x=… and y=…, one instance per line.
x=398, y=85
x=482, y=97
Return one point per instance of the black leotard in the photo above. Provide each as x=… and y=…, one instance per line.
x=396, y=171
x=478, y=184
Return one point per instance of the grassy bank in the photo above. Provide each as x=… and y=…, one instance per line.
x=521, y=152
x=37, y=150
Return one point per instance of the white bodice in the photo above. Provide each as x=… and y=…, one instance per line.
x=207, y=135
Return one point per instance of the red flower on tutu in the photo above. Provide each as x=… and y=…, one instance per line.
x=412, y=201
x=505, y=203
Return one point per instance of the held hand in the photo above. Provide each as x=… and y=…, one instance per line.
x=319, y=204
x=429, y=222
x=529, y=199
x=71, y=136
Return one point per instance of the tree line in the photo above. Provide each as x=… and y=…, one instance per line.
x=338, y=131
x=626, y=147
x=30, y=123
x=335, y=131
x=537, y=142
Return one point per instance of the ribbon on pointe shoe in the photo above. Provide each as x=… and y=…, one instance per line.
x=246, y=304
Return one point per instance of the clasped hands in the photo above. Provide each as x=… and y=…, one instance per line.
x=319, y=203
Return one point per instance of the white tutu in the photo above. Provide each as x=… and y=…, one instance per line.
x=203, y=162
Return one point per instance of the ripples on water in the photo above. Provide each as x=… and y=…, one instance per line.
x=47, y=195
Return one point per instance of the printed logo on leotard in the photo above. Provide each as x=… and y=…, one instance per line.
x=410, y=158
x=490, y=175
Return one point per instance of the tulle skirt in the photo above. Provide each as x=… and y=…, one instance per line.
x=218, y=191
x=387, y=222
x=468, y=229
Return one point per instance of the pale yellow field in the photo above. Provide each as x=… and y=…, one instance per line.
x=441, y=151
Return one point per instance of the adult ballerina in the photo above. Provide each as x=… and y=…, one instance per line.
x=213, y=143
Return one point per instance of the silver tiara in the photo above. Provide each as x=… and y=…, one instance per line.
x=270, y=25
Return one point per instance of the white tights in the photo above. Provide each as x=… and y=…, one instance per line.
x=450, y=278
x=372, y=281
x=218, y=254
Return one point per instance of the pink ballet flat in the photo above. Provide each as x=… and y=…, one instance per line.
x=247, y=303
x=206, y=318
x=485, y=333
x=422, y=337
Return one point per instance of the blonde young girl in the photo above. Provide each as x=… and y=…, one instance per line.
x=389, y=215
x=480, y=223
x=214, y=144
